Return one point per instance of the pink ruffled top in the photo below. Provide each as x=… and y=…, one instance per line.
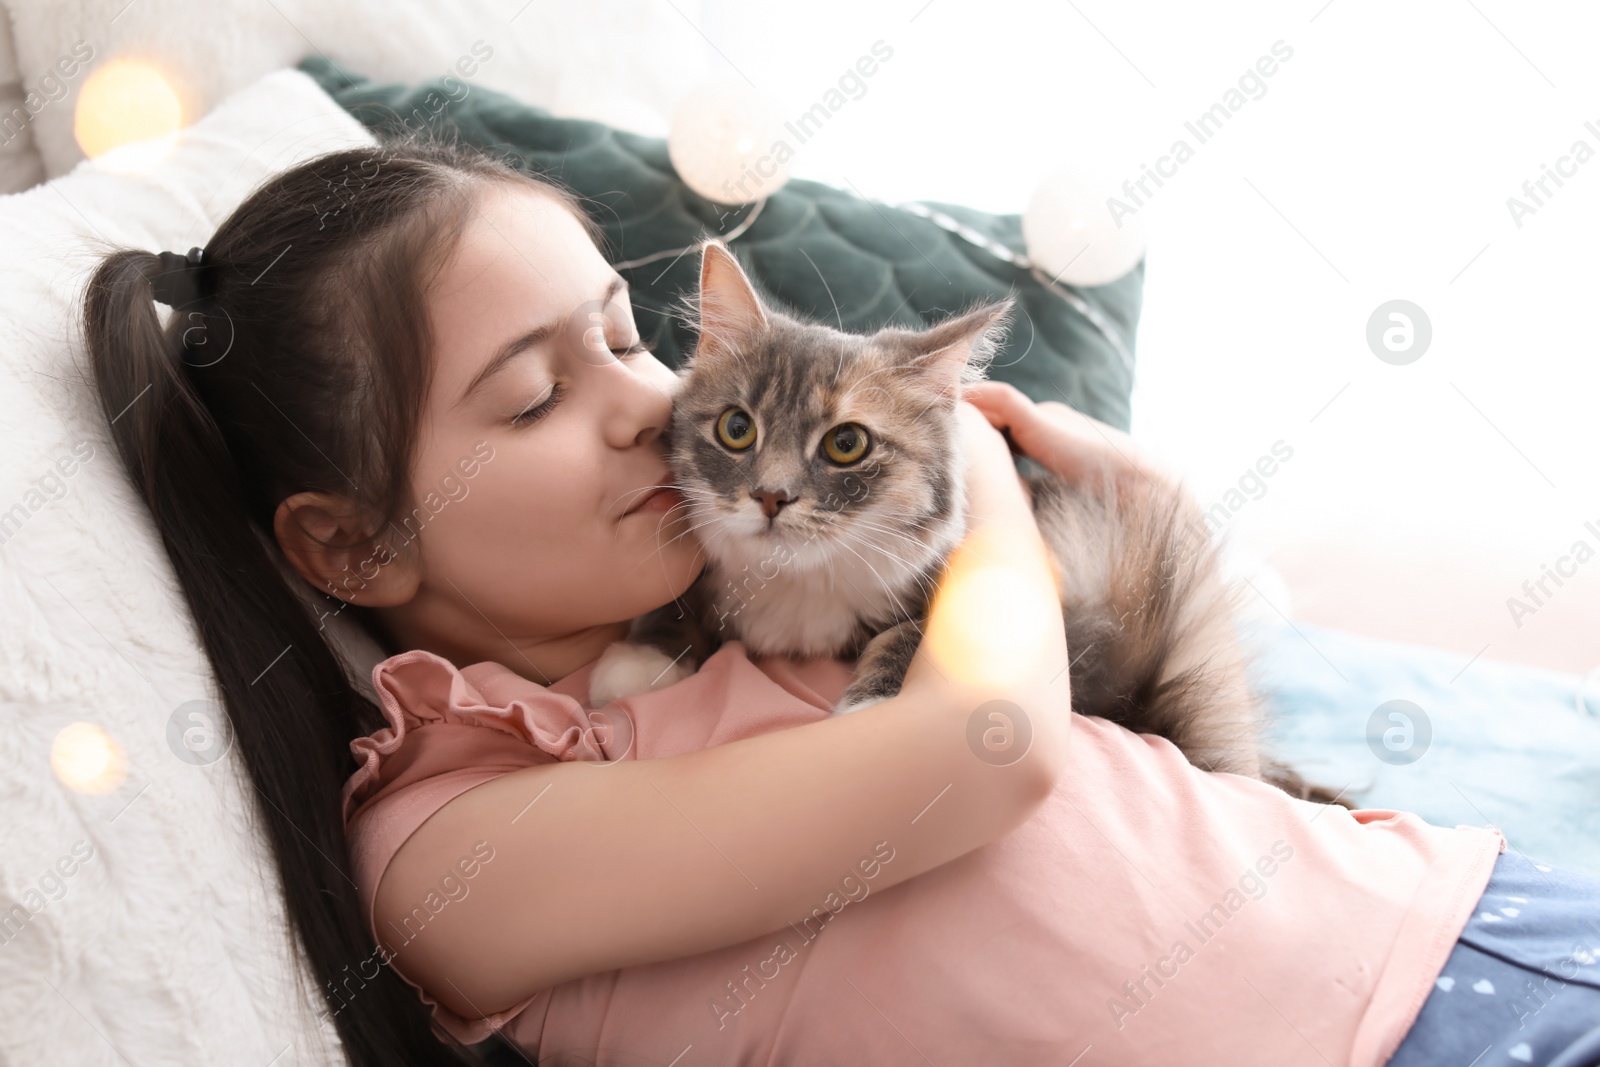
x=1147, y=913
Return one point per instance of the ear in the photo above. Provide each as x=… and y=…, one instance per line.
x=730, y=310
x=326, y=541
x=957, y=351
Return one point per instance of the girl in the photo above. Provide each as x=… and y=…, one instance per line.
x=408, y=373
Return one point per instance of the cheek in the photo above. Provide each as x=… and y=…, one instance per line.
x=540, y=492
x=530, y=504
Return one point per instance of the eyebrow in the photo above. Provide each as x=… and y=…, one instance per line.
x=532, y=339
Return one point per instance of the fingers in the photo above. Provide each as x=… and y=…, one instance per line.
x=991, y=415
x=1006, y=398
x=999, y=394
x=979, y=425
x=1071, y=419
x=1065, y=414
x=1002, y=404
x=1052, y=434
x=1061, y=438
x=965, y=410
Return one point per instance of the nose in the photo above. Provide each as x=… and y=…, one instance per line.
x=772, y=500
x=639, y=408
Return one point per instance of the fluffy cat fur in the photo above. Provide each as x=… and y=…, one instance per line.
x=808, y=556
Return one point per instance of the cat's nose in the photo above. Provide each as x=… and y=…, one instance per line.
x=771, y=500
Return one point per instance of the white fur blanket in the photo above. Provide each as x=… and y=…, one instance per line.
x=140, y=924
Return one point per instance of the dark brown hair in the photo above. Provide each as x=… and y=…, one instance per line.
x=303, y=365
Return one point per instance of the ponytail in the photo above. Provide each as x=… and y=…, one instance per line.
x=290, y=703
x=210, y=470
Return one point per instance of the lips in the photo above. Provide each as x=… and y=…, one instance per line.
x=649, y=497
x=644, y=501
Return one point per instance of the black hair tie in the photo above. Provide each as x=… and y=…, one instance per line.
x=179, y=281
x=186, y=282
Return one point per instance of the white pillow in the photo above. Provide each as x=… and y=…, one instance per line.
x=169, y=944
x=620, y=61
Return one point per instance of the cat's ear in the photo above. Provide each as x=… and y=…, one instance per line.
x=729, y=309
x=958, y=350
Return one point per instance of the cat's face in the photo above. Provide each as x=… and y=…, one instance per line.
x=795, y=444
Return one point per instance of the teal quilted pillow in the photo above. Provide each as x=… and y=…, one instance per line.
x=821, y=252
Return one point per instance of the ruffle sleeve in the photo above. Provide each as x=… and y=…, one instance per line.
x=451, y=729
x=419, y=688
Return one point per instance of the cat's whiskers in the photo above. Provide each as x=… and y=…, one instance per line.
x=913, y=574
x=616, y=530
x=641, y=492
x=690, y=495
x=712, y=520
x=667, y=516
x=916, y=574
x=921, y=545
x=699, y=553
x=890, y=531
x=697, y=526
x=913, y=524
x=844, y=543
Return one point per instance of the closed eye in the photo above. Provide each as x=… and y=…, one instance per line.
x=539, y=411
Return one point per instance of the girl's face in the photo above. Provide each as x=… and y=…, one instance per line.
x=540, y=451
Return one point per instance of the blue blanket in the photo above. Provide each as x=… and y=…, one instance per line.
x=1494, y=744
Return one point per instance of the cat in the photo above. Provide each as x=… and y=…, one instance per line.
x=823, y=475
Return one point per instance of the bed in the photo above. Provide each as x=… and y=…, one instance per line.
x=166, y=942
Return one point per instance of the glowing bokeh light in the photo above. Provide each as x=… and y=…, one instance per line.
x=129, y=106
x=87, y=760
x=990, y=617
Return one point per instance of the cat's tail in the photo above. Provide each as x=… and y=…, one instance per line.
x=1150, y=621
x=1286, y=778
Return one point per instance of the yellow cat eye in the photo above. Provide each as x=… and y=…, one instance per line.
x=736, y=429
x=846, y=442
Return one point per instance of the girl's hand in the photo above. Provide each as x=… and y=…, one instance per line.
x=1064, y=441
x=1001, y=578
x=995, y=492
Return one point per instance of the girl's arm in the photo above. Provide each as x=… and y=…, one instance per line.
x=647, y=860
x=1067, y=442
x=1078, y=448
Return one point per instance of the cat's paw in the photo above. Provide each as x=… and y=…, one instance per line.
x=847, y=704
x=625, y=669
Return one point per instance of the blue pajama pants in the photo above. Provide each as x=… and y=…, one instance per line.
x=1522, y=985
